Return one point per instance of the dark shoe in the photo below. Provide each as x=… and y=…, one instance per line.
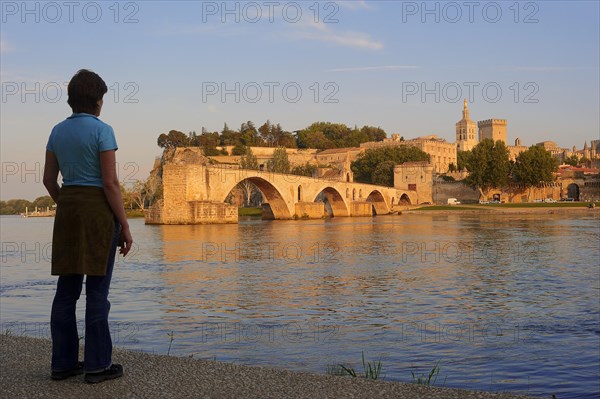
x=114, y=371
x=61, y=375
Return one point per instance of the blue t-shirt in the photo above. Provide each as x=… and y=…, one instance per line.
x=77, y=142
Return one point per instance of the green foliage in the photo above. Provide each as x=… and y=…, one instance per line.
x=308, y=169
x=429, y=379
x=320, y=135
x=248, y=160
x=534, y=166
x=17, y=206
x=239, y=149
x=274, y=136
x=462, y=160
x=212, y=151
x=280, y=162
x=572, y=160
x=383, y=174
x=326, y=135
x=173, y=139
x=371, y=369
x=488, y=166
x=374, y=164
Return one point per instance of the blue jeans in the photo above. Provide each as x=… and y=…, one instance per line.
x=63, y=323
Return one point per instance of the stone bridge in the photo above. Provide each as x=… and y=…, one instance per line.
x=195, y=194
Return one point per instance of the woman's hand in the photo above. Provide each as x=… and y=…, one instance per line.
x=125, y=241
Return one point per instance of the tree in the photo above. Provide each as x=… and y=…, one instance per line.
x=248, y=160
x=249, y=135
x=138, y=194
x=374, y=133
x=15, y=206
x=280, y=162
x=488, y=166
x=383, y=174
x=534, y=166
x=229, y=137
x=43, y=202
x=173, y=139
x=462, y=158
x=307, y=169
x=367, y=167
x=573, y=160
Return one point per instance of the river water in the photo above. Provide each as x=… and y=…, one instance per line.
x=499, y=302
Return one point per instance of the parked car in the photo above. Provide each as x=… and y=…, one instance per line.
x=568, y=199
x=484, y=202
x=453, y=201
x=550, y=200
x=538, y=200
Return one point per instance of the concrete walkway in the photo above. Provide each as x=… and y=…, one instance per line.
x=25, y=373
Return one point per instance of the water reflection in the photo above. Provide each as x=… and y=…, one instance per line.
x=503, y=302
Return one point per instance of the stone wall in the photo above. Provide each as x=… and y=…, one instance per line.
x=444, y=190
x=416, y=177
x=310, y=210
x=360, y=208
x=205, y=212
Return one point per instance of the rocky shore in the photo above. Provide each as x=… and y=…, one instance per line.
x=25, y=373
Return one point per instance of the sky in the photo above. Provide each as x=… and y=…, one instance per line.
x=404, y=66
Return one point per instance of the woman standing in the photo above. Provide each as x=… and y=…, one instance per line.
x=90, y=223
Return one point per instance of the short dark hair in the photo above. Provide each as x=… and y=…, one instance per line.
x=85, y=89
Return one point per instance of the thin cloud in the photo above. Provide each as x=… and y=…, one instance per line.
x=324, y=33
x=374, y=68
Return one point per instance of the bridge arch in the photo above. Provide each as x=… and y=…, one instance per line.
x=378, y=201
x=270, y=193
x=335, y=200
x=404, y=200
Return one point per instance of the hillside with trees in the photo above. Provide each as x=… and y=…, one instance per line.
x=319, y=135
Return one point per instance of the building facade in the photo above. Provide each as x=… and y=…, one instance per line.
x=494, y=129
x=466, y=131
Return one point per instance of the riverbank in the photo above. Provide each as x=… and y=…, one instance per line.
x=24, y=373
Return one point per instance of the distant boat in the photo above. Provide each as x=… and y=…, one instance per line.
x=39, y=214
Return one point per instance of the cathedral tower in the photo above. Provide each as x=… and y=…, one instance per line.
x=466, y=131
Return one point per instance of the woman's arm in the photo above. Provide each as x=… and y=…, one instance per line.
x=112, y=189
x=51, y=175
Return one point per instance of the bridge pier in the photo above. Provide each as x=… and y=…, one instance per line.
x=309, y=210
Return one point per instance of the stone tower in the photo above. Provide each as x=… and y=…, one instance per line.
x=466, y=131
x=494, y=129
